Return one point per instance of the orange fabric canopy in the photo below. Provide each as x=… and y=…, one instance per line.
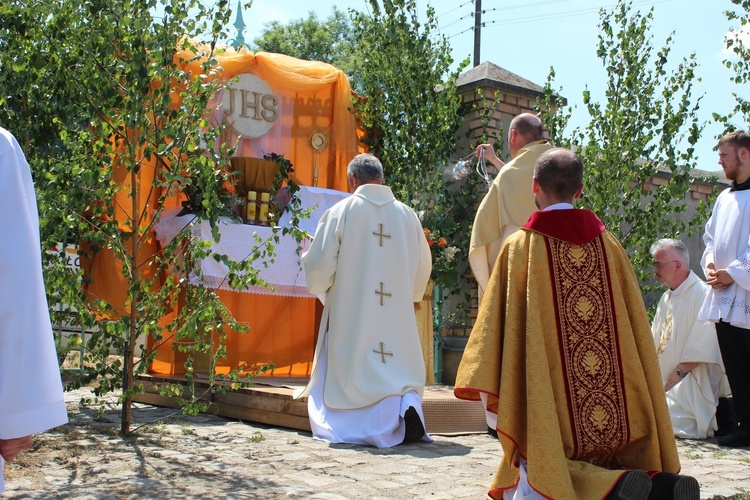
x=314, y=102
x=315, y=129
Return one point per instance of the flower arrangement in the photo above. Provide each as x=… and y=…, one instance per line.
x=443, y=258
x=226, y=193
x=285, y=166
x=228, y=190
x=281, y=196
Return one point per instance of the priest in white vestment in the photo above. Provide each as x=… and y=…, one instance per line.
x=691, y=367
x=31, y=395
x=369, y=262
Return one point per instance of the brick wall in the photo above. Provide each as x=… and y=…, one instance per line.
x=505, y=107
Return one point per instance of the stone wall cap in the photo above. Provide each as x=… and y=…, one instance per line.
x=487, y=74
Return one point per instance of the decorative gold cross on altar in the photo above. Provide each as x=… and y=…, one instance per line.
x=382, y=353
x=382, y=293
x=381, y=235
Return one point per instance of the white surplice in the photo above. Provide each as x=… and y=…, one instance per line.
x=371, y=260
x=680, y=337
x=31, y=395
x=728, y=247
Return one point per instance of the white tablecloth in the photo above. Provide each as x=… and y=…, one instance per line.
x=286, y=273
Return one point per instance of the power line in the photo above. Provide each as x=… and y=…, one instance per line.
x=553, y=15
x=454, y=8
x=511, y=7
x=576, y=12
x=456, y=21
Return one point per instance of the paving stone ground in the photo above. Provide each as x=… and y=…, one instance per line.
x=214, y=457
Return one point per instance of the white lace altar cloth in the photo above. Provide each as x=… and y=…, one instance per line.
x=285, y=274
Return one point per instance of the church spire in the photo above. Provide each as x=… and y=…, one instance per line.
x=239, y=23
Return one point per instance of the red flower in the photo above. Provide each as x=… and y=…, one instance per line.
x=229, y=187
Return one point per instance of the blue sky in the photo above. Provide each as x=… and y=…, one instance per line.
x=527, y=37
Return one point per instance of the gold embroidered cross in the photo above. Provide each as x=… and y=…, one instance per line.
x=381, y=235
x=382, y=353
x=382, y=293
x=666, y=332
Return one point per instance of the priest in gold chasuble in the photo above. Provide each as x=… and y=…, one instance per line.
x=562, y=346
x=369, y=262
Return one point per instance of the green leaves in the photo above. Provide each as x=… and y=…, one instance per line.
x=645, y=125
x=739, y=63
x=91, y=100
x=330, y=41
x=411, y=113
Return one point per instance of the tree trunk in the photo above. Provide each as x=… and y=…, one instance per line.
x=128, y=354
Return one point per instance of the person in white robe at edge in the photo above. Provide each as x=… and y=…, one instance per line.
x=689, y=356
x=369, y=262
x=726, y=264
x=31, y=395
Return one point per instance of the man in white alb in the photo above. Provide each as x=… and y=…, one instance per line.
x=689, y=357
x=726, y=262
x=31, y=395
x=369, y=262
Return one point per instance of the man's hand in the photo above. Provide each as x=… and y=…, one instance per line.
x=489, y=154
x=9, y=448
x=718, y=278
x=672, y=381
x=674, y=378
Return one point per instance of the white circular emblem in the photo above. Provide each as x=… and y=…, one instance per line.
x=250, y=106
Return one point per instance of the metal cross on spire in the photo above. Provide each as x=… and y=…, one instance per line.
x=239, y=23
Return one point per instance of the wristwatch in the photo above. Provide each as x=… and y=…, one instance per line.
x=680, y=372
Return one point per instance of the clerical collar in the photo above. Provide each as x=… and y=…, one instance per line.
x=677, y=292
x=740, y=187
x=560, y=206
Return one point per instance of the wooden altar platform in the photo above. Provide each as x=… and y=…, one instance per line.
x=269, y=401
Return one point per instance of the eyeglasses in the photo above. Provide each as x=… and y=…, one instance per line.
x=659, y=265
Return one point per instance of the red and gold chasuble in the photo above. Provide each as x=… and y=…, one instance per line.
x=562, y=346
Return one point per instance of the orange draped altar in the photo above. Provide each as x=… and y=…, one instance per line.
x=313, y=127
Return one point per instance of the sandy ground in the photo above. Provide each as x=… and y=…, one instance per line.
x=215, y=457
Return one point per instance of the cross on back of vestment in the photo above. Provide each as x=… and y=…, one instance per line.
x=382, y=352
x=381, y=235
x=382, y=293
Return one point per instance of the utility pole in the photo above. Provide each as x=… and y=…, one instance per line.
x=477, y=30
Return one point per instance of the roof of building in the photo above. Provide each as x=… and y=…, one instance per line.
x=491, y=75
x=698, y=175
